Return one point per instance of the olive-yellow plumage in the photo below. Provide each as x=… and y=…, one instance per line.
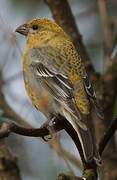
x=55, y=78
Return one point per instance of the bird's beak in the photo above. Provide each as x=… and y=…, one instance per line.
x=23, y=29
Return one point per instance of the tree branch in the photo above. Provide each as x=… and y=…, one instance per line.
x=107, y=135
x=11, y=127
x=59, y=124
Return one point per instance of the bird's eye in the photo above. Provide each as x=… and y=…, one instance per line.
x=35, y=27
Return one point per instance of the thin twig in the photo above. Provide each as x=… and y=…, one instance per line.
x=11, y=127
x=107, y=135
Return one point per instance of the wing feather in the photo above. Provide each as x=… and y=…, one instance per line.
x=92, y=95
x=61, y=89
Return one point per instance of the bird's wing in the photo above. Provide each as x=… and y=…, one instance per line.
x=44, y=63
x=92, y=95
x=60, y=88
x=59, y=85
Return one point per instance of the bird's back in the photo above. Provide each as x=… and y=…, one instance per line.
x=69, y=63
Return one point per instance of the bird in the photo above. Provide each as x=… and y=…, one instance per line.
x=56, y=80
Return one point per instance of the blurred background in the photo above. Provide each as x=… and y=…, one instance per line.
x=37, y=160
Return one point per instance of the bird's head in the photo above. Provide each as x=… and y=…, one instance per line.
x=36, y=25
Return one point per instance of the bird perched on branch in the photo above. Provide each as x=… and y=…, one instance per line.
x=55, y=78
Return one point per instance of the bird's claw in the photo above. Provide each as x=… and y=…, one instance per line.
x=51, y=129
x=47, y=138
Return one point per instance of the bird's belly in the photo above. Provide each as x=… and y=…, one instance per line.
x=39, y=96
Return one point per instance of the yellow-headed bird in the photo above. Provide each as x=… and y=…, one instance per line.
x=56, y=80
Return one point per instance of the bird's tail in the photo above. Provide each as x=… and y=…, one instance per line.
x=89, y=150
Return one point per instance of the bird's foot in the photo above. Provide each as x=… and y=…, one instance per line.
x=47, y=138
x=50, y=126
